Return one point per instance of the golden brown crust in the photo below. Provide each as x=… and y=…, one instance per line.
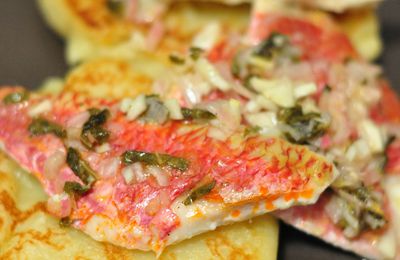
x=107, y=78
x=104, y=25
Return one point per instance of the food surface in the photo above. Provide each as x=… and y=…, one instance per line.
x=92, y=29
x=29, y=231
x=171, y=128
x=146, y=182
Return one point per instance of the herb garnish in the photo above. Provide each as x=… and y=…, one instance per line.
x=384, y=157
x=80, y=167
x=195, y=52
x=176, y=59
x=195, y=113
x=65, y=222
x=92, y=131
x=41, y=126
x=251, y=130
x=199, y=192
x=304, y=127
x=73, y=188
x=15, y=97
x=327, y=88
x=274, y=44
x=115, y=6
x=157, y=159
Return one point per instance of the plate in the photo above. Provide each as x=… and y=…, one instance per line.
x=30, y=52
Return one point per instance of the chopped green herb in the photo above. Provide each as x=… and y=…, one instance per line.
x=327, y=88
x=92, y=132
x=369, y=211
x=153, y=96
x=348, y=59
x=65, y=222
x=176, y=59
x=389, y=141
x=115, y=6
x=16, y=97
x=303, y=127
x=195, y=52
x=275, y=43
x=41, y=126
x=195, y=113
x=72, y=188
x=156, y=111
x=199, y=192
x=247, y=82
x=157, y=159
x=80, y=167
x=235, y=67
x=384, y=157
x=251, y=130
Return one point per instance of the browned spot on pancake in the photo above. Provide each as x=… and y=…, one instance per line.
x=81, y=258
x=92, y=13
x=18, y=216
x=32, y=237
x=111, y=73
x=3, y=176
x=1, y=222
x=169, y=256
x=96, y=17
x=219, y=244
x=113, y=252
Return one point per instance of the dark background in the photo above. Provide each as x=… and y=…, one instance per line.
x=29, y=52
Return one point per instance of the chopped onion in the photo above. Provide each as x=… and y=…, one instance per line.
x=332, y=208
x=140, y=174
x=208, y=36
x=109, y=167
x=161, y=176
x=103, y=148
x=304, y=90
x=174, y=109
x=194, y=88
x=42, y=107
x=137, y=107
x=125, y=105
x=78, y=120
x=261, y=63
x=211, y=74
x=263, y=119
x=59, y=205
x=373, y=135
x=358, y=150
x=53, y=164
x=217, y=134
x=252, y=106
x=309, y=106
x=128, y=175
x=228, y=117
x=265, y=103
x=278, y=91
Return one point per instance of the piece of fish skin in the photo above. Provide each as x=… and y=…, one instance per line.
x=252, y=175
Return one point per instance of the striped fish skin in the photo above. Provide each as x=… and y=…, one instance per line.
x=252, y=175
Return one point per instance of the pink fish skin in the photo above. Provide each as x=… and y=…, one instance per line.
x=267, y=173
x=313, y=220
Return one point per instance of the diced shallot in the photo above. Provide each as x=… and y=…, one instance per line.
x=161, y=176
x=210, y=73
x=137, y=107
x=174, y=109
x=42, y=107
x=59, y=205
